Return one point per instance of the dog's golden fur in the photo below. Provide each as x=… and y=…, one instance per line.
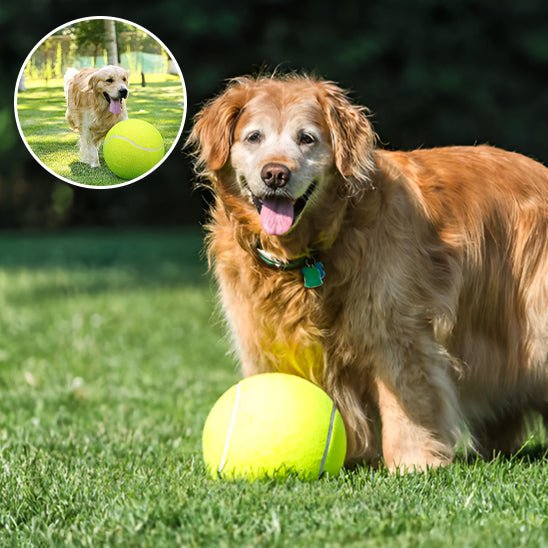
x=434, y=311
x=88, y=109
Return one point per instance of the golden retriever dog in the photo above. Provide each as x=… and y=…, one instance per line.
x=95, y=102
x=411, y=286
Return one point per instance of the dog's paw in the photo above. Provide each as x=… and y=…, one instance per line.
x=90, y=160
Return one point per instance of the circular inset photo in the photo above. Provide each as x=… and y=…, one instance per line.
x=100, y=102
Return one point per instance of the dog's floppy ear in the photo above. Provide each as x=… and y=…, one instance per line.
x=352, y=136
x=213, y=129
x=92, y=83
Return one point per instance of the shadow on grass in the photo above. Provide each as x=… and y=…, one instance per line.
x=534, y=453
x=79, y=171
x=534, y=449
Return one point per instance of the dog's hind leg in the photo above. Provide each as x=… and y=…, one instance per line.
x=70, y=120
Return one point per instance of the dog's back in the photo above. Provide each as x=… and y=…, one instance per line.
x=70, y=73
x=490, y=210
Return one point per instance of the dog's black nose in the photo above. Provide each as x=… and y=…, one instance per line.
x=275, y=175
x=122, y=93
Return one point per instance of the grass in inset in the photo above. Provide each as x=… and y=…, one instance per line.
x=41, y=111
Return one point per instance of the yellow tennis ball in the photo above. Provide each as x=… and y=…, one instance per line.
x=272, y=425
x=132, y=147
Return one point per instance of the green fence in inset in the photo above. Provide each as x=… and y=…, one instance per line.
x=135, y=62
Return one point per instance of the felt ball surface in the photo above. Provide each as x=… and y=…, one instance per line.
x=272, y=425
x=132, y=147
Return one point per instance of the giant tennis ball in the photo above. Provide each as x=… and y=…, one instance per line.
x=132, y=147
x=273, y=425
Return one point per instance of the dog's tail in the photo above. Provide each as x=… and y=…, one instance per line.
x=69, y=75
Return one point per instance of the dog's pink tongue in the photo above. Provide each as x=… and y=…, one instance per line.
x=277, y=215
x=115, y=106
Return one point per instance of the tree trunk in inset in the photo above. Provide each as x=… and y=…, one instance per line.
x=110, y=42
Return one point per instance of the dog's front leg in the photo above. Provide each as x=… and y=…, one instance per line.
x=419, y=413
x=89, y=153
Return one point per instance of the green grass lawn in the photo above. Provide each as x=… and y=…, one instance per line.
x=111, y=357
x=41, y=111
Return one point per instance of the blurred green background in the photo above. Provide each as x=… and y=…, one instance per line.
x=434, y=73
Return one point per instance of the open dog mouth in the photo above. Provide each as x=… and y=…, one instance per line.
x=115, y=105
x=279, y=213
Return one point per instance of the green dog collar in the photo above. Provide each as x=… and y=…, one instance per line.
x=273, y=261
x=313, y=271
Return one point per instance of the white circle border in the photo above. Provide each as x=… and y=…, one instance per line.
x=16, y=112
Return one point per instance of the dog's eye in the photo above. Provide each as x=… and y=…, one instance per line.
x=306, y=138
x=110, y=80
x=254, y=137
x=124, y=78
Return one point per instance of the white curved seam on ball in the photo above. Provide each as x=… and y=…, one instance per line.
x=131, y=143
x=328, y=440
x=230, y=429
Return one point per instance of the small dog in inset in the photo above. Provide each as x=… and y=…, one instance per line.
x=95, y=102
x=412, y=286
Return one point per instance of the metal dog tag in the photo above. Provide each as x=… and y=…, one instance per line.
x=313, y=275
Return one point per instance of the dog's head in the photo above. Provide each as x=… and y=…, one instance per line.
x=284, y=139
x=110, y=86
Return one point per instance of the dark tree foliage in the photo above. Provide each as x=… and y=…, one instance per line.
x=90, y=36
x=434, y=72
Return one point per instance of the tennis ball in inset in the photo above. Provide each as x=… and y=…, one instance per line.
x=132, y=147
x=273, y=425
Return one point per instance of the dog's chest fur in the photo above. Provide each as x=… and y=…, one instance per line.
x=276, y=323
